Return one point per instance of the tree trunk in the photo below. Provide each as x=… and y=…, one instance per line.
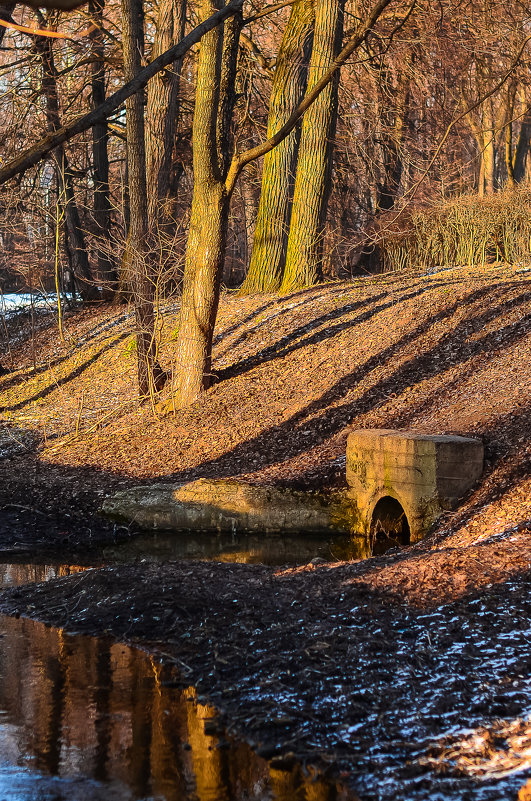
x=162, y=111
x=509, y=154
x=6, y=9
x=522, y=150
x=204, y=265
x=105, y=263
x=74, y=238
x=150, y=376
x=394, y=122
x=489, y=161
x=205, y=250
x=289, y=84
x=312, y=183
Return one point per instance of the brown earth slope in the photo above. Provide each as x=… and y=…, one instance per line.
x=406, y=674
x=444, y=353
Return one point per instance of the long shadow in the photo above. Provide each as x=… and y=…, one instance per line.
x=10, y=382
x=285, y=305
x=291, y=342
x=326, y=422
x=65, y=379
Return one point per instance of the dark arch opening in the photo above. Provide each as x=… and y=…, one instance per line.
x=389, y=525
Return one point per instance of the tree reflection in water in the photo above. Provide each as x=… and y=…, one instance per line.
x=84, y=718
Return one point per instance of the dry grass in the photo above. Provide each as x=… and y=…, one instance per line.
x=466, y=230
x=447, y=352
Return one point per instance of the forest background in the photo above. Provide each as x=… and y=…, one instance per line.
x=250, y=159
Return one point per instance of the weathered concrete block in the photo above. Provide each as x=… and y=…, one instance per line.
x=426, y=474
x=229, y=505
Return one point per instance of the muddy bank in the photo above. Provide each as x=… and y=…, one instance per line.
x=46, y=510
x=406, y=675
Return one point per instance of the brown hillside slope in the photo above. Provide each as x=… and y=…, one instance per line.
x=445, y=353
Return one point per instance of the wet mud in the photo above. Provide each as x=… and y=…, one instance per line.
x=318, y=667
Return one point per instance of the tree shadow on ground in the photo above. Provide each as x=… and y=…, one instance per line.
x=327, y=416
x=292, y=341
x=59, y=382
x=11, y=381
x=284, y=305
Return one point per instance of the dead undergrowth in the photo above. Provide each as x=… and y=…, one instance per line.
x=441, y=353
x=349, y=664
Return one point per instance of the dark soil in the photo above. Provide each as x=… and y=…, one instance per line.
x=371, y=679
x=48, y=511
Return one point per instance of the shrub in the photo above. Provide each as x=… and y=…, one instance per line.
x=466, y=230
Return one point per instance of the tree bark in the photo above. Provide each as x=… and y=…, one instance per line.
x=509, y=154
x=151, y=378
x=289, y=84
x=162, y=111
x=522, y=150
x=105, y=264
x=75, y=245
x=489, y=164
x=312, y=183
x=205, y=250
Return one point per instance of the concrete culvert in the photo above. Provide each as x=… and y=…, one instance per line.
x=389, y=525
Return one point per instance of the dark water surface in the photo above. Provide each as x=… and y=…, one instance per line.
x=86, y=718
x=249, y=549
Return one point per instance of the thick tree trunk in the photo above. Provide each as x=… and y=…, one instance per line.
x=204, y=265
x=105, y=263
x=312, y=184
x=74, y=238
x=210, y=206
x=522, y=150
x=150, y=376
x=162, y=111
x=289, y=84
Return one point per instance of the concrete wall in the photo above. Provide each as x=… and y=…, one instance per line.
x=426, y=474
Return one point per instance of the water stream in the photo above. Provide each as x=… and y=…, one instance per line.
x=84, y=718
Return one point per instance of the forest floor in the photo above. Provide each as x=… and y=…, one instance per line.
x=410, y=671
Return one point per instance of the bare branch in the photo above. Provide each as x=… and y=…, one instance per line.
x=34, y=154
x=268, y=10
x=239, y=161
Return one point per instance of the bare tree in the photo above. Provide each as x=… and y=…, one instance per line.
x=289, y=84
x=150, y=375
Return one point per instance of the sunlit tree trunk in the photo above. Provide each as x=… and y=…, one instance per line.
x=150, y=376
x=214, y=102
x=312, y=183
x=105, y=264
x=162, y=111
x=289, y=84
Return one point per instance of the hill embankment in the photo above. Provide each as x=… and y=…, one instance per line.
x=404, y=674
x=442, y=353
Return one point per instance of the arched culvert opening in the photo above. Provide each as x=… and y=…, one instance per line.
x=389, y=525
